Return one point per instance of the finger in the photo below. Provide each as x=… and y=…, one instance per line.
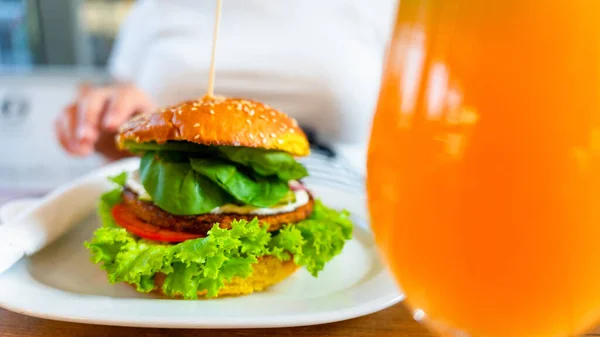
x=89, y=111
x=65, y=127
x=122, y=106
x=66, y=123
x=61, y=130
x=69, y=121
x=126, y=103
x=148, y=106
x=68, y=145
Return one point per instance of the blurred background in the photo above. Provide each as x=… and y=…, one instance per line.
x=58, y=32
x=47, y=47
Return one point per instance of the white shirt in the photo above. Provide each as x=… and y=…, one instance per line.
x=317, y=60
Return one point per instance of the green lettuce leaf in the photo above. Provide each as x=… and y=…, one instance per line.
x=175, y=187
x=111, y=198
x=247, y=188
x=119, y=179
x=183, y=281
x=316, y=240
x=191, y=266
x=207, y=263
x=266, y=162
x=288, y=241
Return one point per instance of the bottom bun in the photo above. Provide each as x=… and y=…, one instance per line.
x=266, y=272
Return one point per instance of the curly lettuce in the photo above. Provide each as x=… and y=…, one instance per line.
x=207, y=263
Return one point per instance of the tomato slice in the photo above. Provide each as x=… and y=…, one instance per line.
x=124, y=218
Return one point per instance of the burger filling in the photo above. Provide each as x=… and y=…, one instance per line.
x=197, y=216
x=297, y=197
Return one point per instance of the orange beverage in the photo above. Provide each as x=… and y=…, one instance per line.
x=483, y=168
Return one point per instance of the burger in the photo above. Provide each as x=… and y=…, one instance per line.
x=217, y=206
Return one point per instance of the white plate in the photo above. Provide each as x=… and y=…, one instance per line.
x=61, y=283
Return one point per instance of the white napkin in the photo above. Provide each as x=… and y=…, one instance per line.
x=32, y=226
x=12, y=208
x=11, y=251
x=37, y=225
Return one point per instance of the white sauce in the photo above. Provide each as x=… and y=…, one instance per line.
x=134, y=183
x=301, y=200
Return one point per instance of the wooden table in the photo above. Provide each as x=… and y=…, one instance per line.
x=392, y=322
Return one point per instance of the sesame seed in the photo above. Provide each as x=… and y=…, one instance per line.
x=294, y=122
x=274, y=120
x=262, y=116
x=251, y=112
x=251, y=136
x=179, y=112
x=264, y=141
x=229, y=107
x=273, y=135
x=196, y=136
x=248, y=121
x=212, y=112
x=280, y=141
x=194, y=108
x=197, y=125
x=292, y=130
x=273, y=113
x=283, y=126
x=262, y=135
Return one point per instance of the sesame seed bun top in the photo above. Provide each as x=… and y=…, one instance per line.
x=219, y=121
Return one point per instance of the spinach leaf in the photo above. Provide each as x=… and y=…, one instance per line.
x=248, y=188
x=176, y=188
x=265, y=162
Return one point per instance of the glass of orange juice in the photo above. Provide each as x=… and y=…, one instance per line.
x=484, y=165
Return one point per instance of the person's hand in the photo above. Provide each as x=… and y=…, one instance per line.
x=92, y=121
